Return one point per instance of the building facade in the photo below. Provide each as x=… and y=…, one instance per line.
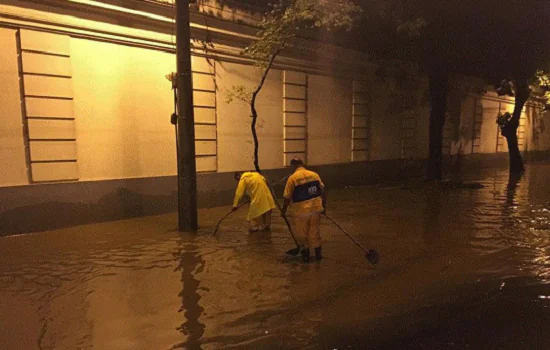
x=85, y=107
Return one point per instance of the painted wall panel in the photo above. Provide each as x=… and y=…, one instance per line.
x=46, y=64
x=48, y=86
x=360, y=109
x=44, y=42
x=53, y=150
x=204, y=82
x=205, y=132
x=205, y=148
x=51, y=129
x=295, y=133
x=293, y=91
x=206, y=99
x=46, y=75
x=360, y=144
x=12, y=145
x=360, y=133
x=201, y=64
x=295, y=77
x=360, y=156
x=46, y=172
x=361, y=99
x=295, y=119
x=49, y=108
x=489, y=128
x=329, y=120
x=206, y=164
x=295, y=106
x=205, y=115
x=295, y=146
x=295, y=114
x=361, y=122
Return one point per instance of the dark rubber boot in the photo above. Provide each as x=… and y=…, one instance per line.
x=305, y=255
x=318, y=255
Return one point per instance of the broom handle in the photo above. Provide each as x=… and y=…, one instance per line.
x=281, y=210
x=346, y=233
x=225, y=217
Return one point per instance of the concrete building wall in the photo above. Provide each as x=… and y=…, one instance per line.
x=13, y=171
x=387, y=124
x=463, y=117
x=541, y=134
x=123, y=104
x=489, y=128
x=472, y=123
x=96, y=116
x=532, y=128
x=235, y=144
x=329, y=120
x=422, y=109
x=544, y=135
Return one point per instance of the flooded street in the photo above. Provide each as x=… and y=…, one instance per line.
x=461, y=268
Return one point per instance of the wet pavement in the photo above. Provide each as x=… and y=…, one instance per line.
x=461, y=268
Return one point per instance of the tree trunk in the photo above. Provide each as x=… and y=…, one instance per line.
x=253, y=110
x=255, y=134
x=439, y=85
x=510, y=130
x=516, y=161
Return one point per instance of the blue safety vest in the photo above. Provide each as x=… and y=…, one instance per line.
x=307, y=191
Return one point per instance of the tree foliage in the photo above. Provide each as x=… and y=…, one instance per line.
x=283, y=23
x=289, y=17
x=543, y=81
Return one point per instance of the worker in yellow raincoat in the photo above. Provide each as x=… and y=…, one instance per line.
x=261, y=201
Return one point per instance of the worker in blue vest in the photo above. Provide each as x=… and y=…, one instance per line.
x=306, y=191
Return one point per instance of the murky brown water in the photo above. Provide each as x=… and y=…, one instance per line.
x=461, y=268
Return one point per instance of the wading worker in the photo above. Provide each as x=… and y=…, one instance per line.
x=306, y=191
x=261, y=200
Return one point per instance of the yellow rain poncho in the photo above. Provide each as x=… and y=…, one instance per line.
x=255, y=186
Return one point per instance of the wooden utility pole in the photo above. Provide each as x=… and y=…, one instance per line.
x=187, y=175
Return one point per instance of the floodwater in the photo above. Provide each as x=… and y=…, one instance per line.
x=461, y=268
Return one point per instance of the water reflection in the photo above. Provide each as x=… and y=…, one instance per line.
x=190, y=264
x=261, y=240
x=137, y=285
x=510, y=205
x=432, y=224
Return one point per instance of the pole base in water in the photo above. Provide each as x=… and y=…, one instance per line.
x=373, y=256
